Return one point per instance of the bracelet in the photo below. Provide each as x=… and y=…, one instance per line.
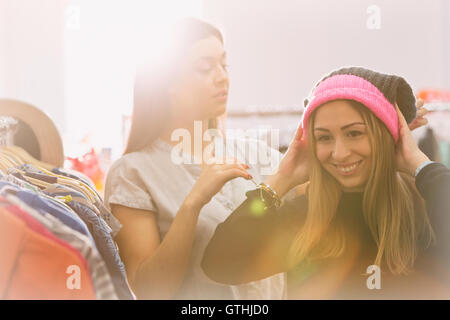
x=271, y=198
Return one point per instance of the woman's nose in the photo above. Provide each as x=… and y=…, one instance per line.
x=221, y=75
x=340, y=151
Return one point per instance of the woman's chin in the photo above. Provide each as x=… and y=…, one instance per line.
x=352, y=188
x=356, y=186
x=218, y=111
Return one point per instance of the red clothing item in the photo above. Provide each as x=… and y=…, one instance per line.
x=33, y=266
x=35, y=225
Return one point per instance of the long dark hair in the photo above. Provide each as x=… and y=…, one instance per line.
x=151, y=109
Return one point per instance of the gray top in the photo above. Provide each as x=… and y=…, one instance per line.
x=150, y=180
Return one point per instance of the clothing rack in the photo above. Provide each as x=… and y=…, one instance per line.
x=8, y=128
x=59, y=214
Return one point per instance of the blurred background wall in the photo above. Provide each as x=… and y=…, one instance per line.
x=75, y=59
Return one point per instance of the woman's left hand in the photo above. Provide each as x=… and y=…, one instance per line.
x=419, y=120
x=408, y=155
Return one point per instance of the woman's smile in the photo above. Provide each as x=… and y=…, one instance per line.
x=348, y=169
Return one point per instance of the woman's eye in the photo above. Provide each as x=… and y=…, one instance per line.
x=323, y=138
x=204, y=67
x=354, y=133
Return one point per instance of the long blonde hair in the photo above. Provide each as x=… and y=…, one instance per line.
x=392, y=207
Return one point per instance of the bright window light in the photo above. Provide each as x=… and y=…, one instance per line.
x=103, y=41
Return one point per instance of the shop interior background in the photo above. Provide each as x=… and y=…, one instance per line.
x=75, y=60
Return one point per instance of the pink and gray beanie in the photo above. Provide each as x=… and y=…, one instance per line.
x=378, y=92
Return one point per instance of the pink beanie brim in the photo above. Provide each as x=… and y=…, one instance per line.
x=345, y=86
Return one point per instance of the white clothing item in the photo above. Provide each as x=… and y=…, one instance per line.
x=150, y=180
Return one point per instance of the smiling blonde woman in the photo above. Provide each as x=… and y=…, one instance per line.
x=374, y=201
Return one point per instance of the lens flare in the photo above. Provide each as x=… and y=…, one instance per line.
x=257, y=207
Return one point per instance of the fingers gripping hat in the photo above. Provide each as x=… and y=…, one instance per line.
x=378, y=92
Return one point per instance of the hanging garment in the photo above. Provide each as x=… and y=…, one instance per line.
x=101, y=233
x=71, y=209
x=37, y=265
x=85, y=221
x=112, y=221
x=44, y=205
x=101, y=279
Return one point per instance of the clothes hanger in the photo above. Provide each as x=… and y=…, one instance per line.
x=46, y=168
x=27, y=158
x=33, y=181
x=37, y=182
x=19, y=182
x=71, y=182
x=90, y=193
x=79, y=187
x=58, y=201
x=3, y=168
x=6, y=161
x=12, y=168
x=8, y=190
x=12, y=156
x=6, y=150
x=41, y=194
x=75, y=184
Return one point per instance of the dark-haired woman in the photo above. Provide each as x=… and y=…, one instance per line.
x=168, y=209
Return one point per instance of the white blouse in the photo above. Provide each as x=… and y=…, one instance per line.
x=150, y=180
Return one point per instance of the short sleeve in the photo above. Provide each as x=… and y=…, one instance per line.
x=125, y=186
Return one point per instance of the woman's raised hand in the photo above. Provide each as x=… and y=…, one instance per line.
x=293, y=168
x=215, y=173
x=419, y=120
x=408, y=155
